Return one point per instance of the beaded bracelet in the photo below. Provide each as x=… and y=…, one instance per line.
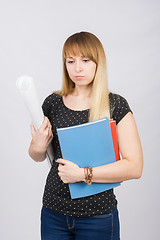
x=89, y=175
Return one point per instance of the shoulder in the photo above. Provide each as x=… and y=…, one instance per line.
x=52, y=97
x=116, y=98
x=50, y=101
x=119, y=106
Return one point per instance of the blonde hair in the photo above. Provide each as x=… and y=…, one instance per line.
x=90, y=47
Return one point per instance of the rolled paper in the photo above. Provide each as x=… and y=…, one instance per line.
x=27, y=89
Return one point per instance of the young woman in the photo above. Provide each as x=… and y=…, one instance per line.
x=84, y=97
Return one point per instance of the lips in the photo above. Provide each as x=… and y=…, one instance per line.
x=79, y=77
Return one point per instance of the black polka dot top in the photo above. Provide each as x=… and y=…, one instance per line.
x=56, y=194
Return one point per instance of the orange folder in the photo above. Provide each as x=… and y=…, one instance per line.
x=115, y=139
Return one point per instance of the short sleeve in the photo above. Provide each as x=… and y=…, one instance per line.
x=119, y=107
x=47, y=105
x=50, y=104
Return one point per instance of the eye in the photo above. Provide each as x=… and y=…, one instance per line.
x=71, y=61
x=86, y=60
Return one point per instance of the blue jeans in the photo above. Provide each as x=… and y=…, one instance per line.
x=56, y=226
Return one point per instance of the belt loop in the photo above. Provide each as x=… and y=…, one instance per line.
x=69, y=218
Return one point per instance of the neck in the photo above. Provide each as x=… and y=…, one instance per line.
x=82, y=91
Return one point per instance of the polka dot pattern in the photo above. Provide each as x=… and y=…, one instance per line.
x=56, y=194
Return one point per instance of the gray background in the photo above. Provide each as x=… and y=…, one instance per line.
x=32, y=34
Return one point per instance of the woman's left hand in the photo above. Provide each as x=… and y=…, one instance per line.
x=69, y=172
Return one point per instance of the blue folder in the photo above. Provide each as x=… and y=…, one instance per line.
x=88, y=144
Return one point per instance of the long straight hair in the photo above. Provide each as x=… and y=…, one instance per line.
x=89, y=46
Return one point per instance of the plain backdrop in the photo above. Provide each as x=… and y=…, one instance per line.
x=32, y=34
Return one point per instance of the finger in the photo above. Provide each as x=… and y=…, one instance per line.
x=33, y=130
x=32, y=126
x=50, y=136
x=59, y=167
x=48, y=131
x=44, y=124
x=50, y=127
x=62, y=161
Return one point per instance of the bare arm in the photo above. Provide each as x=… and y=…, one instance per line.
x=40, y=141
x=131, y=165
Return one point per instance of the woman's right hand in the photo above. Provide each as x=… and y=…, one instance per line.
x=43, y=136
x=40, y=140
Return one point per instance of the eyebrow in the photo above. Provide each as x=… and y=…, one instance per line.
x=69, y=57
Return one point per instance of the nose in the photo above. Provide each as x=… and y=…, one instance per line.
x=78, y=66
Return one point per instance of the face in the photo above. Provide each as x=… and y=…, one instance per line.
x=81, y=70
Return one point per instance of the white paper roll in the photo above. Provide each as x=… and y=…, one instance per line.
x=27, y=89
